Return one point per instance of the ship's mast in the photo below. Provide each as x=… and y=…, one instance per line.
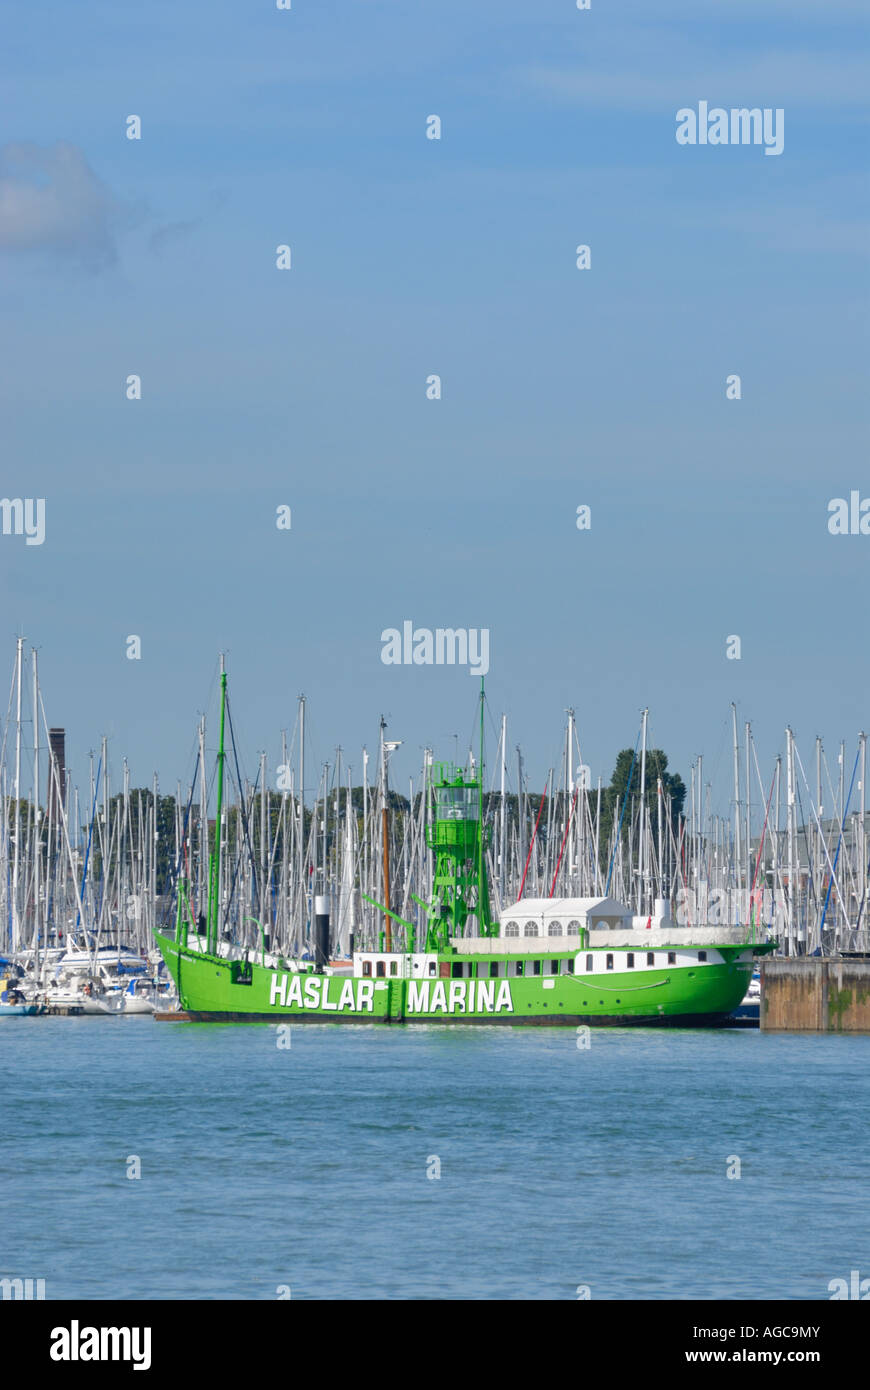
x=480, y=871
x=214, y=886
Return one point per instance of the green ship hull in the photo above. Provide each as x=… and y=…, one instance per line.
x=699, y=993
x=442, y=971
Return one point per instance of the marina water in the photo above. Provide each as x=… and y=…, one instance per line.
x=310, y=1171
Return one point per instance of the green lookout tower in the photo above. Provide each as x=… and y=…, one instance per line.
x=459, y=888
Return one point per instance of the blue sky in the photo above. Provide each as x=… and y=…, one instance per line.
x=456, y=257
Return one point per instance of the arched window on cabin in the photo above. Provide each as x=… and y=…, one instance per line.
x=530, y=929
x=572, y=929
x=554, y=929
x=512, y=929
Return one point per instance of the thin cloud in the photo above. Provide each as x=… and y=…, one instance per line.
x=52, y=201
x=170, y=233
x=639, y=82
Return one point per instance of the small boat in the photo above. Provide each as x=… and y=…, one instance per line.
x=748, y=1011
x=142, y=996
x=13, y=1002
x=81, y=994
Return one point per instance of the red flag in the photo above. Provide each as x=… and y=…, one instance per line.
x=649, y=922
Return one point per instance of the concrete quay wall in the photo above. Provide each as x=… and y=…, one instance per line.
x=815, y=994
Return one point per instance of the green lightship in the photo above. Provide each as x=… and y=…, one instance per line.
x=548, y=961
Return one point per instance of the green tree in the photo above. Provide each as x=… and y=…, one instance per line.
x=614, y=796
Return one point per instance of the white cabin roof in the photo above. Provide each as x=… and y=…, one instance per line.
x=588, y=910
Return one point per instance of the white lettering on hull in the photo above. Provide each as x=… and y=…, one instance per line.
x=287, y=990
x=466, y=996
x=424, y=996
x=439, y=998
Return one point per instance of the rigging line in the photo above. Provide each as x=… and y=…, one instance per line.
x=811, y=882
x=836, y=817
x=815, y=815
x=532, y=842
x=863, y=900
x=622, y=815
x=760, y=848
x=238, y=864
x=90, y=835
x=9, y=710
x=494, y=728
x=678, y=849
x=719, y=756
x=562, y=850
x=173, y=871
x=839, y=844
x=242, y=810
x=292, y=744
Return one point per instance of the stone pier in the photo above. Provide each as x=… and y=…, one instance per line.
x=815, y=994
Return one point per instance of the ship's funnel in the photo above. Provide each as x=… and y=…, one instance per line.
x=321, y=931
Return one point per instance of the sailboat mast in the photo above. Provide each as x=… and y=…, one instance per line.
x=482, y=924
x=302, y=886
x=790, y=815
x=747, y=752
x=214, y=888
x=860, y=837
x=502, y=846
x=737, y=863
x=388, y=930
x=16, y=926
x=642, y=855
x=37, y=839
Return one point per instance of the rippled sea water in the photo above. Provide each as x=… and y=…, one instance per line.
x=308, y=1167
